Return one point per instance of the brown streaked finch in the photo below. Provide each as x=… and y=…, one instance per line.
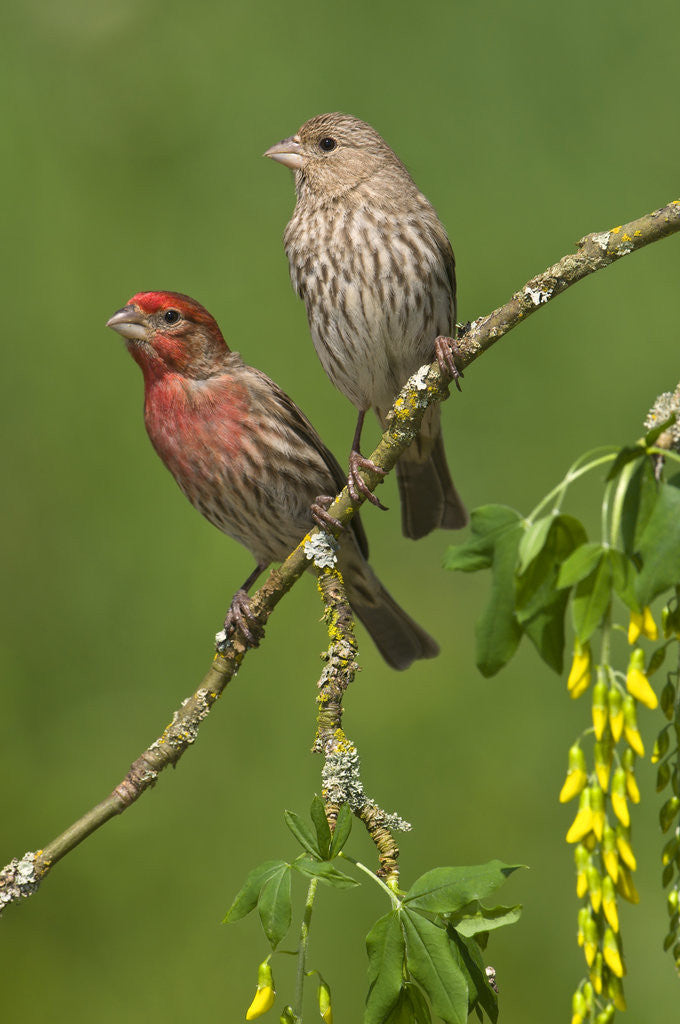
x=375, y=268
x=248, y=459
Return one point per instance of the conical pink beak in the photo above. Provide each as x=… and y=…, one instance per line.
x=287, y=152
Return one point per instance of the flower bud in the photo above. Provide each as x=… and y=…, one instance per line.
x=672, y=902
x=628, y=761
x=582, y=860
x=590, y=942
x=625, y=886
x=630, y=726
x=606, y=1015
x=325, y=1003
x=603, y=752
x=624, y=847
x=637, y=682
x=615, y=703
x=612, y=953
x=615, y=992
x=610, y=857
x=663, y=776
x=670, y=850
x=609, y=906
x=576, y=774
x=596, y=973
x=600, y=706
x=579, y=1009
x=583, y=822
x=594, y=887
x=264, y=993
x=579, y=674
x=618, y=796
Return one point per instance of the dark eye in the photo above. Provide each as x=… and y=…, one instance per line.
x=327, y=144
x=171, y=316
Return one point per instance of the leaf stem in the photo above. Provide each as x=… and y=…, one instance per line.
x=396, y=902
x=302, y=948
x=573, y=473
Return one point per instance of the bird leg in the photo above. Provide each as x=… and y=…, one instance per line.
x=446, y=350
x=356, y=462
x=240, y=613
x=322, y=517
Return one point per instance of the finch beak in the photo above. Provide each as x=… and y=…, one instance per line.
x=129, y=322
x=287, y=152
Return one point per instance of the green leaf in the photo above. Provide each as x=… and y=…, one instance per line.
x=660, y=547
x=546, y=631
x=540, y=605
x=385, y=947
x=325, y=872
x=653, y=435
x=343, y=827
x=323, y=832
x=497, y=631
x=247, y=896
x=623, y=576
x=638, y=504
x=533, y=540
x=274, y=905
x=303, y=833
x=446, y=890
x=591, y=598
x=580, y=564
x=484, y=919
x=487, y=524
x=411, y=1007
x=625, y=455
x=481, y=993
x=431, y=962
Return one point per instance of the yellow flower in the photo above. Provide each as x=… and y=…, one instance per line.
x=583, y=822
x=579, y=674
x=582, y=860
x=597, y=809
x=594, y=887
x=264, y=993
x=637, y=682
x=642, y=623
x=576, y=774
x=596, y=973
x=612, y=953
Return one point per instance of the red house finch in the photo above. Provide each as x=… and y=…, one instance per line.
x=375, y=268
x=247, y=458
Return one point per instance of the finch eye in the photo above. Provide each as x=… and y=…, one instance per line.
x=171, y=316
x=327, y=144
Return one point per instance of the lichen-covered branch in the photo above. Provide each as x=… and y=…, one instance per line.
x=21, y=877
x=340, y=777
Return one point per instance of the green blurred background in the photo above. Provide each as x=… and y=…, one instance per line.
x=133, y=134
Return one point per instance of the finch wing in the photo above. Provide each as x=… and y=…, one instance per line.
x=300, y=425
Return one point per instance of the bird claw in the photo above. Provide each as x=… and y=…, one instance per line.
x=240, y=616
x=356, y=485
x=445, y=350
x=321, y=516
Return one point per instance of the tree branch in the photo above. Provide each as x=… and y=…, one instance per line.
x=20, y=878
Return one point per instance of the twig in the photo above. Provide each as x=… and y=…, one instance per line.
x=20, y=878
x=340, y=777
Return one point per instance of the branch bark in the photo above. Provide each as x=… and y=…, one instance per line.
x=21, y=877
